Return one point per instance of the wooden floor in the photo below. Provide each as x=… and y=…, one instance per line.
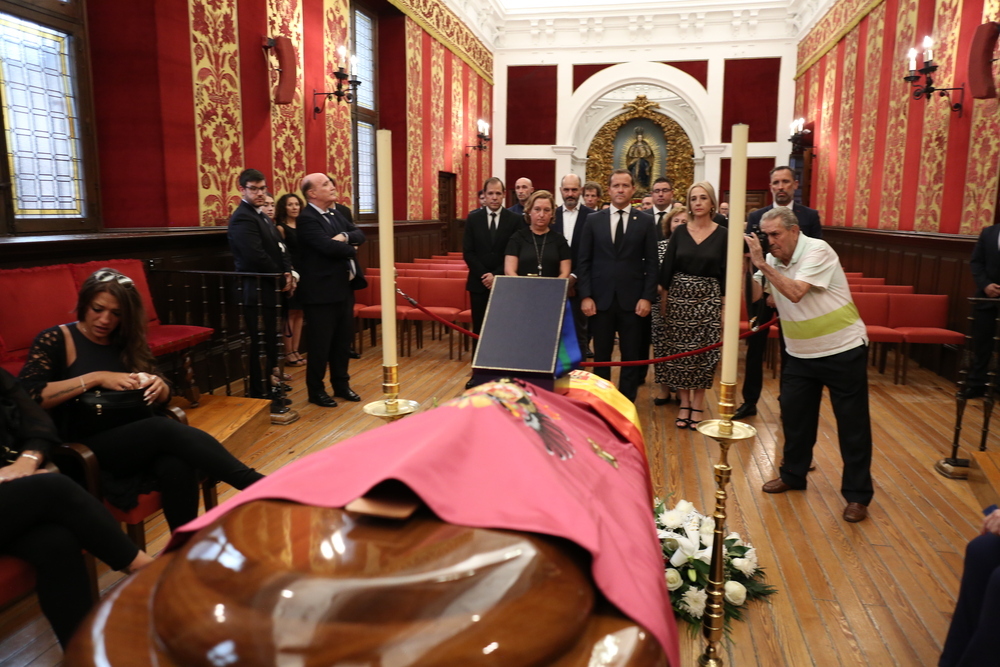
x=875, y=593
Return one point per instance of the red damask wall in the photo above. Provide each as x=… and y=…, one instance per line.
x=183, y=104
x=883, y=159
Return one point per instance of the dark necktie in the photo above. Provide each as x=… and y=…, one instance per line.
x=620, y=231
x=493, y=226
x=659, y=218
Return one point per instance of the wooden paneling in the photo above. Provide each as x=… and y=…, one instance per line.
x=413, y=239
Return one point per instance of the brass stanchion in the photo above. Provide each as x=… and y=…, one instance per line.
x=391, y=407
x=724, y=431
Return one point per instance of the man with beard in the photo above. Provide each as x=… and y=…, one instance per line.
x=569, y=221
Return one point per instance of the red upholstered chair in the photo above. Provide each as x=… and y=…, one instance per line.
x=445, y=297
x=874, y=310
x=464, y=318
x=883, y=289
x=373, y=312
x=429, y=273
x=80, y=456
x=921, y=318
x=463, y=274
x=866, y=281
x=162, y=338
x=855, y=274
x=362, y=298
x=32, y=300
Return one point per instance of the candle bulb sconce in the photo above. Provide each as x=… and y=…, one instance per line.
x=483, y=136
x=927, y=88
x=347, y=90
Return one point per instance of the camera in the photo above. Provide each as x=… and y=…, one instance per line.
x=761, y=237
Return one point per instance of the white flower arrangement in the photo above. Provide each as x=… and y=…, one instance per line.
x=687, y=537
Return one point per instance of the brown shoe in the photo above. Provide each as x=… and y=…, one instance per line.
x=776, y=486
x=855, y=512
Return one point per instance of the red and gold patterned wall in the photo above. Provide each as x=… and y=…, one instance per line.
x=207, y=112
x=883, y=159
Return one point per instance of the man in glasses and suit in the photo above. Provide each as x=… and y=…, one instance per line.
x=327, y=250
x=256, y=247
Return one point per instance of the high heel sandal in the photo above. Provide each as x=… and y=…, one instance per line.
x=693, y=423
x=681, y=422
x=297, y=361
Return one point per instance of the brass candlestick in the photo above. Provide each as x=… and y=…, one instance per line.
x=391, y=407
x=724, y=431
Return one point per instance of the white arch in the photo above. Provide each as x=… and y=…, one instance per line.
x=576, y=132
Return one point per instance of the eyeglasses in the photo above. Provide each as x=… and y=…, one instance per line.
x=254, y=189
x=660, y=191
x=107, y=275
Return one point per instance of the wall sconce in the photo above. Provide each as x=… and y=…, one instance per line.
x=928, y=89
x=483, y=136
x=347, y=84
x=801, y=136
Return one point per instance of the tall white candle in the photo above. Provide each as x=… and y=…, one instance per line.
x=386, y=245
x=734, y=254
x=928, y=49
x=912, y=55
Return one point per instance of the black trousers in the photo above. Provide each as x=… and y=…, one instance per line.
x=172, y=452
x=629, y=326
x=328, y=343
x=984, y=327
x=972, y=638
x=846, y=376
x=48, y=519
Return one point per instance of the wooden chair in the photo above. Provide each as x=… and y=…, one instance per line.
x=921, y=318
x=79, y=456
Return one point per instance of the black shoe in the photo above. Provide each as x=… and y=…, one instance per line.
x=972, y=392
x=471, y=383
x=347, y=394
x=590, y=353
x=353, y=355
x=745, y=410
x=323, y=400
x=661, y=401
x=280, y=402
x=284, y=387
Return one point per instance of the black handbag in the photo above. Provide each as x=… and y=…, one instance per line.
x=100, y=410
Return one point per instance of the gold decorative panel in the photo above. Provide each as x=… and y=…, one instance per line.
x=896, y=130
x=869, y=115
x=680, y=155
x=984, y=152
x=437, y=126
x=835, y=24
x=845, y=143
x=414, y=122
x=336, y=117
x=215, y=65
x=476, y=177
x=826, y=144
x=284, y=19
x=444, y=26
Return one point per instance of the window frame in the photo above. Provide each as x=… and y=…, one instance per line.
x=369, y=116
x=68, y=17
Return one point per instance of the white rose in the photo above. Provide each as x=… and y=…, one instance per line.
x=751, y=556
x=670, y=542
x=707, y=526
x=735, y=592
x=693, y=601
x=735, y=536
x=674, y=579
x=684, y=507
x=671, y=519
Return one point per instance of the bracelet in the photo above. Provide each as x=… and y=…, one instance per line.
x=31, y=456
x=83, y=385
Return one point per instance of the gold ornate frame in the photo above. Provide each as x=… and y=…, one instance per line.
x=679, y=164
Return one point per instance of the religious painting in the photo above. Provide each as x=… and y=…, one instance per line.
x=641, y=148
x=647, y=143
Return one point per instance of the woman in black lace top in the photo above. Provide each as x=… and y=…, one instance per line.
x=48, y=518
x=107, y=350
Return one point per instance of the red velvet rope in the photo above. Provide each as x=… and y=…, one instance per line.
x=640, y=362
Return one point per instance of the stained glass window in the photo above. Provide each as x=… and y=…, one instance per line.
x=364, y=40
x=366, y=168
x=40, y=120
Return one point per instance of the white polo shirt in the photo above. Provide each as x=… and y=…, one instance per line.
x=825, y=321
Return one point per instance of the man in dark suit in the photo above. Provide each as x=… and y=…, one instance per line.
x=569, y=221
x=256, y=247
x=484, y=245
x=986, y=272
x=618, y=269
x=783, y=187
x=523, y=188
x=359, y=281
x=327, y=252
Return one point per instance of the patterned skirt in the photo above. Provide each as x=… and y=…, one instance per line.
x=693, y=321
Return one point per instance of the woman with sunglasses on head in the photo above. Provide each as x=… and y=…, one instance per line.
x=49, y=518
x=106, y=349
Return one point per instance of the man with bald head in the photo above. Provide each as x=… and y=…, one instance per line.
x=523, y=189
x=327, y=250
x=569, y=221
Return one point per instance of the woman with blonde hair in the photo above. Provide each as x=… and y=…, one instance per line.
x=692, y=275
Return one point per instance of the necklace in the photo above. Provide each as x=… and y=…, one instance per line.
x=539, y=253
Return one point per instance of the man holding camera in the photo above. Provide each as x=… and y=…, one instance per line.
x=783, y=187
x=827, y=347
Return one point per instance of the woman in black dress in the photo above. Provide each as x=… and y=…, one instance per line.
x=692, y=275
x=536, y=250
x=106, y=349
x=289, y=207
x=49, y=518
